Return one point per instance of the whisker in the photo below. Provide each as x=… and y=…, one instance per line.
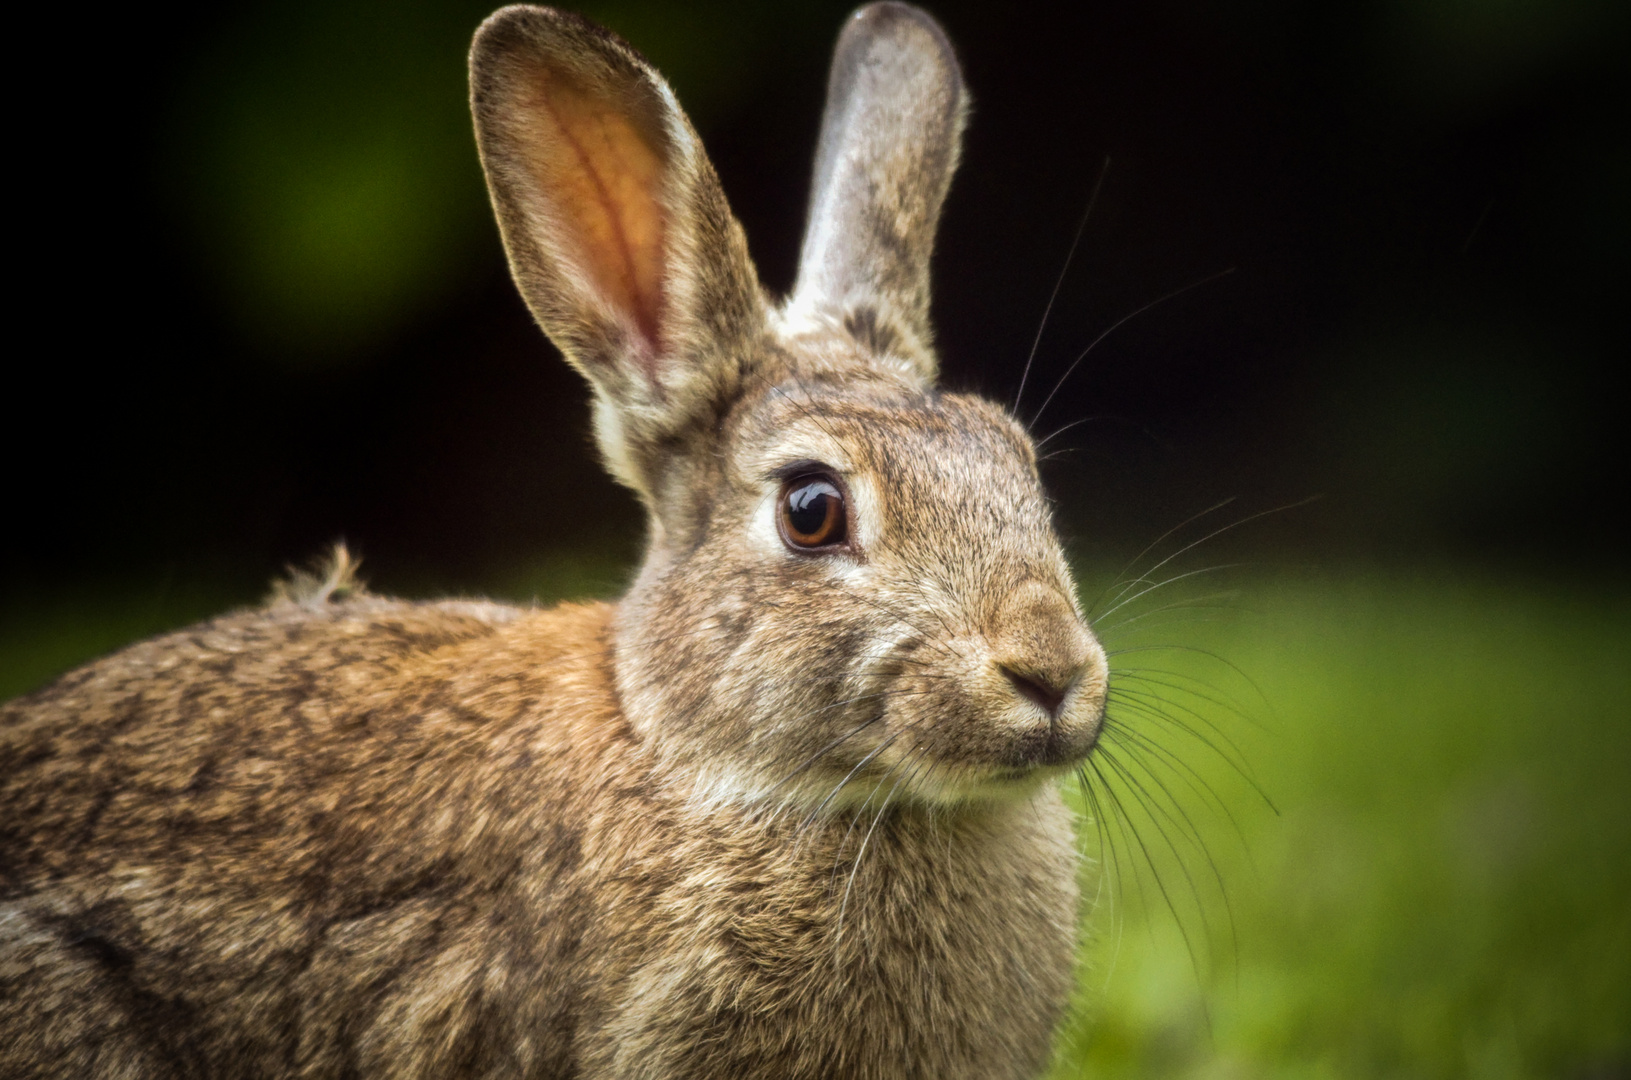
x=1196, y=782
x=1040, y=443
x=1163, y=710
x=813, y=758
x=944, y=647
x=1204, y=602
x=880, y=748
x=1122, y=823
x=1157, y=542
x=838, y=850
x=803, y=406
x=1152, y=709
x=843, y=904
x=1155, y=872
x=1116, y=326
x=1060, y=280
x=1232, y=525
x=1182, y=824
x=1209, y=694
x=1109, y=860
x=1262, y=697
x=1186, y=830
x=1164, y=583
x=1091, y=799
x=1121, y=599
x=1204, y=615
x=1150, y=698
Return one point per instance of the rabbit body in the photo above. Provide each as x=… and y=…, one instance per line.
x=444, y=852
x=788, y=809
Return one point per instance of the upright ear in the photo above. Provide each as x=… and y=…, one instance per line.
x=889, y=144
x=616, y=228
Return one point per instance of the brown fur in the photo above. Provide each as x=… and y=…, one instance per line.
x=771, y=815
x=301, y=842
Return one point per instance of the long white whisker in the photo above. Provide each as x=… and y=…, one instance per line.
x=1060, y=280
x=1113, y=327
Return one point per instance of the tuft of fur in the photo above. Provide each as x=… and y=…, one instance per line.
x=776, y=813
x=328, y=579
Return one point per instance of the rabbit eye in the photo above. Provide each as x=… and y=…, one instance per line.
x=812, y=513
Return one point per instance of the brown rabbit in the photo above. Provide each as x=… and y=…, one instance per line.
x=789, y=809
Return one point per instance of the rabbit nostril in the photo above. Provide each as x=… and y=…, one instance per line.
x=1031, y=688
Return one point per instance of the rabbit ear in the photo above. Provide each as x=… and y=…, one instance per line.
x=616, y=228
x=889, y=144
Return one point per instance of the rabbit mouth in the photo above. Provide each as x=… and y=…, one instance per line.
x=989, y=730
x=975, y=784
x=1050, y=749
x=1029, y=764
x=1016, y=769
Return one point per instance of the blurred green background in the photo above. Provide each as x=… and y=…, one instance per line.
x=263, y=306
x=1445, y=889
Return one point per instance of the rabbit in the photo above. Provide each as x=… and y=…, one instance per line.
x=789, y=808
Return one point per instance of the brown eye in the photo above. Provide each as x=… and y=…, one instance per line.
x=812, y=513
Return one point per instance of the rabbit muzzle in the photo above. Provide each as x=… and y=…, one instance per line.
x=1055, y=675
x=1015, y=700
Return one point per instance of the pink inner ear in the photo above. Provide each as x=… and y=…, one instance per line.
x=603, y=178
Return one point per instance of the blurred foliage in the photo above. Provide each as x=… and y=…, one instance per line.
x=1450, y=423
x=1446, y=889
x=323, y=155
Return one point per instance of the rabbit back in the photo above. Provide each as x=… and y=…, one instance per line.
x=249, y=842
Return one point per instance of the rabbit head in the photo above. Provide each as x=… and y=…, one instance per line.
x=852, y=588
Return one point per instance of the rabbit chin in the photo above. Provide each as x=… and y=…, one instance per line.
x=921, y=777
x=942, y=788
x=966, y=784
x=960, y=782
x=946, y=786
x=1012, y=770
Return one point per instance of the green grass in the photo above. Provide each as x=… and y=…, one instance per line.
x=1444, y=891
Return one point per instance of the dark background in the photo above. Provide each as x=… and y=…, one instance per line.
x=260, y=302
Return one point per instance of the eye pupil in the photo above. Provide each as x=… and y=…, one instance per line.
x=813, y=513
x=808, y=509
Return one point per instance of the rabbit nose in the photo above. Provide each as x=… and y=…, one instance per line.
x=1041, y=647
x=1039, y=690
